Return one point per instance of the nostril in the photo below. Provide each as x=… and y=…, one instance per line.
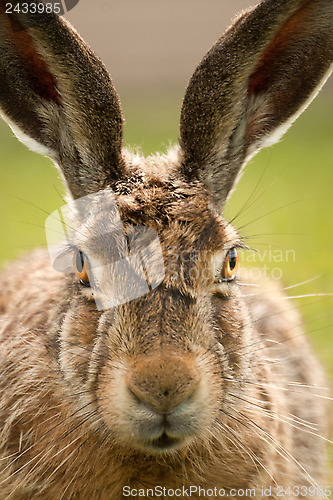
x=162, y=403
x=163, y=383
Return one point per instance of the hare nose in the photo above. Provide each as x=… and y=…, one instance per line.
x=163, y=383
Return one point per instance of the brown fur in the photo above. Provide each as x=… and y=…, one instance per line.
x=195, y=383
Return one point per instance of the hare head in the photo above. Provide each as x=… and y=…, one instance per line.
x=157, y=345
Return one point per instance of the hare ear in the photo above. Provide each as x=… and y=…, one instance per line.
x=58, y=98
x=252, y=85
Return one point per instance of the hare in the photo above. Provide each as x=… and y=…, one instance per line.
x=189, y=387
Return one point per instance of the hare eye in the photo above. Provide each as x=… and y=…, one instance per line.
x=80, y=266
x=230, y=266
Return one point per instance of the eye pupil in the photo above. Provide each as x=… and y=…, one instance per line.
x=79, y=261
x=81, y=267
x=230, y=266
x=232, y=259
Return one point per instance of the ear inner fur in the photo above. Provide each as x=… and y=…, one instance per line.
x=41, y=80
x=267, y=76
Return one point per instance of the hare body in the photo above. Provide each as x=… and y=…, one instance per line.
x=196, y=383
x=51, y=395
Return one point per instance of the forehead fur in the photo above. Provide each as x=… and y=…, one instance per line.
x=154, y=194
x=193, y=237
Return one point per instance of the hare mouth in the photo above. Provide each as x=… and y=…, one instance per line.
x=164, y=442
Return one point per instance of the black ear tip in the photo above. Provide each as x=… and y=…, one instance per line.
x=70, y=4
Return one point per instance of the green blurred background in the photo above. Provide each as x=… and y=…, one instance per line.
x=285, y=195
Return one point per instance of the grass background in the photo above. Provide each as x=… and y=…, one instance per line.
x=287, y=191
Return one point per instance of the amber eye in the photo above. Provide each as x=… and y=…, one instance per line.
x=81, y=267
x=230, y=265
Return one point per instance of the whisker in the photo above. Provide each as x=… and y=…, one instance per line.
x=44, y=435
x=267, y=343
x=85, y=461
x=269, y=213
x=255, y=456
x=310, y=295
x=284, y=450
x=237, y=443
x=242, y=210
x=272, y=386
x=302, y=282
x=303, y=427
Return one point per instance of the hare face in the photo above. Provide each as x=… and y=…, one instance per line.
x=160, y=361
